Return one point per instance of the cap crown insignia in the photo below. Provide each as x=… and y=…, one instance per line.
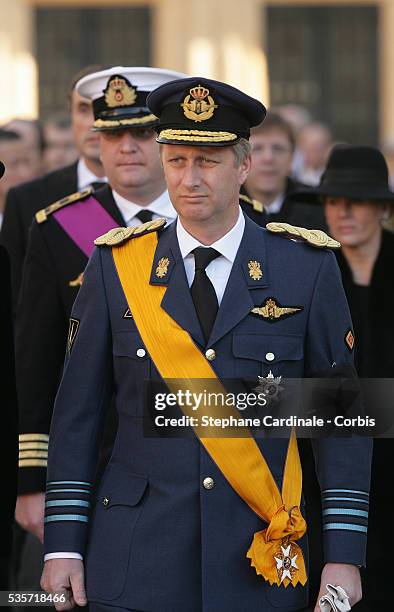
x=201, y=107
x=199, y=92
x=119, y=93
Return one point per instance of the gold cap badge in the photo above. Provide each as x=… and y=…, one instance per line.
x=202, y=105
x=119, y=92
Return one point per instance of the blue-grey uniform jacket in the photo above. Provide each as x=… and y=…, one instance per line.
x=154, y=538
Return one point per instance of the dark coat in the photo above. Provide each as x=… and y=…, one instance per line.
x=46, y=297
x=295, y=213
x=21, y=205
x=158, y=539
x=9, y=412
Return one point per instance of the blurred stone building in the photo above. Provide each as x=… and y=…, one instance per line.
x=333, y=57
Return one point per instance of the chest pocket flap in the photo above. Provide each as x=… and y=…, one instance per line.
x=268, y=348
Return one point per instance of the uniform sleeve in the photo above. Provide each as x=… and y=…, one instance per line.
x=79, y=412
x=8, y=411
x=13, y=239
x=342, y=464
x=41, y=332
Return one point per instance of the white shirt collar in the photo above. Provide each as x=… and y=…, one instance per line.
x=276, y=205
x=85, y=177
x=227, y=246
x=161, y=206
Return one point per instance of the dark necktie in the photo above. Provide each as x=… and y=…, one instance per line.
x=144, y=215
x=202, y=290
x=97, y=184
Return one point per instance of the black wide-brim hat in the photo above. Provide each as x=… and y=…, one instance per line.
x=2, y=169
x=199, y=111
x=357, y=173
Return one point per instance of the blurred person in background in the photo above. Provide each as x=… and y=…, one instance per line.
x=9, y=418
x=32, y=135
x=60, y=149
x=298, y=117
x=24, y=201
x=268, y=182
x=13, y=152
x=357, y=201
x=314, y=144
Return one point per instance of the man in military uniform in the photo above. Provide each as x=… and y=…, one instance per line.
x=25, y=200
x=61, y=240
x=212, y=524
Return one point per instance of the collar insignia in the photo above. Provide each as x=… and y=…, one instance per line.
x=202, y=105
x=272, y=311
x=255, y=270
x=162, y=267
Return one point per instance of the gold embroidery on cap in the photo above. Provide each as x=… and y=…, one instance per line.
x=119, y=93
x=199, y=109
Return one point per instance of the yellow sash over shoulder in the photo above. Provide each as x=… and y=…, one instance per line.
x=273, y=552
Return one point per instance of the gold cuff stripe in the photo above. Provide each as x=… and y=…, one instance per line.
x=31, y=454
x=99, y=123
x=32, y=463
x=28, y=437
x=197, y=135
x=33, y=446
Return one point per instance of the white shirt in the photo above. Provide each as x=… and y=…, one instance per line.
x=276, y=205
x=161, y=207
x=85, y=177
x=218, y=272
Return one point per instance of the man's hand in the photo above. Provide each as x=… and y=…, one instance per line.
x=29, y=513
x=344, y=575
x=65, y=576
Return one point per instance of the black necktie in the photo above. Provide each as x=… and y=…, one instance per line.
x=144, y=215
x=202, y=290
x=97, y=184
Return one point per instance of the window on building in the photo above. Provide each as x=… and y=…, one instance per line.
x=67, y=39
x=326, y=59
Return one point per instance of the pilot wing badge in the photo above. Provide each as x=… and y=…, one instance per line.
x=272, y=311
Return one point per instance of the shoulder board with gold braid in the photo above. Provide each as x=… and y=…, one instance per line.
x=314, y=237
x=257, y=206
x=118, y=235
x=43, y=214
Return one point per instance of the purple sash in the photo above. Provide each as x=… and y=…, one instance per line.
x=84, y=222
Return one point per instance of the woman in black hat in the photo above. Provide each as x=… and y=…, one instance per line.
x=356, y=198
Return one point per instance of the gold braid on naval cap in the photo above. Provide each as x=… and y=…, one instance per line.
x=314, y=237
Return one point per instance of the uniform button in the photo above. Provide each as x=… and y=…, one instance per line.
x=208, y=483
x=210, y=354
x=270, y=356
x=105, y=501
x=141, y=352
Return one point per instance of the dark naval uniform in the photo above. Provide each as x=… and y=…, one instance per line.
x=9, y=419
x=22, y=204
x=295, y=213
x=162, y=538
x=52, y=277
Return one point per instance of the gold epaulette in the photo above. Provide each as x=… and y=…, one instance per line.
x=42, y=215
x=314, y=237
x=257, y=206
x=118, y=235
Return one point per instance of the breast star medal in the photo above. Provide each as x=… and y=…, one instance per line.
x=270, y=386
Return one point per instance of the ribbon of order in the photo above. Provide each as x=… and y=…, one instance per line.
x=273, y=553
